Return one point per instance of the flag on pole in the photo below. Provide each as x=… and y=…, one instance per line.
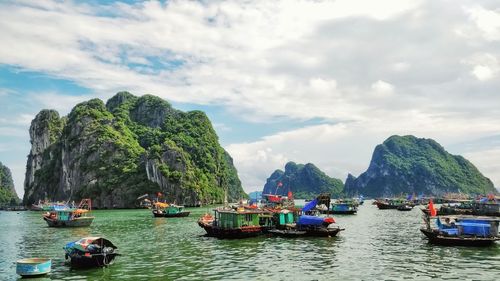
x=280, y=184
x=432, y=210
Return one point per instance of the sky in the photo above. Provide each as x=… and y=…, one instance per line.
x=318, y=82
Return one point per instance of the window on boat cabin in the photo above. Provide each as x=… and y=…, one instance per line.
x=248, y=217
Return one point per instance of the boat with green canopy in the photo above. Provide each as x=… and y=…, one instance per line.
x=164, y=210
x=234, y=223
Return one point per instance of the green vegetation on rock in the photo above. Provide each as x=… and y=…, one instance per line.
x=305, y=182
x=116, y=152
x=8, y=194
x=406, y=164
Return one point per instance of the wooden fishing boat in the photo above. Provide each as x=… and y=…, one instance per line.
x=33, y=267
x=165, y=210
x=70, y=217
x=228, y=223
x=90, y=252
x=439, y=238
x=387, y=204
x=470, y=231
x=344, y=207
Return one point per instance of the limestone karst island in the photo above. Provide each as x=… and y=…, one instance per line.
x=249, y=140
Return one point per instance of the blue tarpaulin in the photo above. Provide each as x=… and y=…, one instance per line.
x=309, y=206
x=310, y=220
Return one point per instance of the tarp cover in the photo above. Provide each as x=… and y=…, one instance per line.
x=311, y=205
x=85, y=244
x=310, y=220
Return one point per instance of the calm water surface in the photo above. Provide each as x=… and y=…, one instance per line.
x=376, y=245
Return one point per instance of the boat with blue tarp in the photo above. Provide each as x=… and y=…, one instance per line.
x=90, y=252
x=462, y=230
x=309, y=223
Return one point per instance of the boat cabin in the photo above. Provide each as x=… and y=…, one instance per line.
x=230, y=219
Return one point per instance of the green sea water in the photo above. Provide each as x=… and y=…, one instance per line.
x=376, y=245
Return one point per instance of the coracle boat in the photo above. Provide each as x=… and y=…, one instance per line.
x=67, y=217
x=165, y=210
x=90, y=252
x=462, y=231
x=229, y=223
x=33, y=267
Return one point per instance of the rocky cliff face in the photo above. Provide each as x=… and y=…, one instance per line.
x=304, y=181
x=406, y=164
x=8, y=194
x=130, y=146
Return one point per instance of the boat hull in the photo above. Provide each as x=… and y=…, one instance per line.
x=288, y=233
x=78, y=222
x=165, y=215
x=322, y=232
x=94, y=260
x=312, y=232
x=231, y=233
x=350, y=212
x=383, y=206
x=438, y=239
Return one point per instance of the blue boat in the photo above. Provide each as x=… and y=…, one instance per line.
x=462, y=231
x=33, y=267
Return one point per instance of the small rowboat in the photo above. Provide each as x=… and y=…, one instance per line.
x=33, y=267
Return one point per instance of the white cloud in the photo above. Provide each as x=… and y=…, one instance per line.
x=486, y=66
x=58, y=101
x=262, y=60
x=487, y=21
x=382, y=88
x=487, y=162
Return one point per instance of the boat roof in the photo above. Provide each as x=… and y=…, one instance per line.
x=242, y=211
x=483, y=218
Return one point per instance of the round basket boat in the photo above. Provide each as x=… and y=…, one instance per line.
x=33, y=266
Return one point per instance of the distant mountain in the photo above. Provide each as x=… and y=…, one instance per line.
x=256, y=195
x=407, y=164
x=305, y=181
x=7, y=192
x=130, y=146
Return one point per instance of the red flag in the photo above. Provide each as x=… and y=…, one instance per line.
x=432, y=210
x=280, y=184
x=290, y=195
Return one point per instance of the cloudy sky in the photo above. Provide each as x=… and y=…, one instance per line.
x=304, y=81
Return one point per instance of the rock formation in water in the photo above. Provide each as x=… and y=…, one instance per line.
x=304, y=181
x=115, y=152
x=8, y=195
x=407, y=165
